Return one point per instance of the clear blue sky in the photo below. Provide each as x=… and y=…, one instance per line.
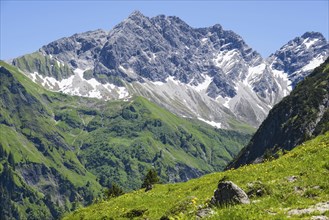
x=264, y=25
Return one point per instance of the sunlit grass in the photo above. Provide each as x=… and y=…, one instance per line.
x=308, y=163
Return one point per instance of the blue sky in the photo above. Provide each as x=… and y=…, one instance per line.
x=264, y=25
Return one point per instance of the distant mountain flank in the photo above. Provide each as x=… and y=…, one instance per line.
x=206, y=73
x=302, y=115
x=58, y=152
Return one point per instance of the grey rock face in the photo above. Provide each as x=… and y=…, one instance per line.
x=159, y=47
x=207, y=73
x=292, y=57
x=227, y=193
x=79, y=50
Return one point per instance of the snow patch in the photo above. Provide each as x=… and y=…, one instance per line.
x=257, y=69
x=204, y=85
x=203, y=40
x=261, y=108
x=94, y=94
x=308, y=42
x=253, y=71
x=77, y=85
x=279, y=74
x=158, y=83
x=227, y=101
x=130, y=72
x=225, y=45
x=153, y=56
x=225, y=58
x=283, y=82
x=212, y=123
x=172, y=79
x=314, y=63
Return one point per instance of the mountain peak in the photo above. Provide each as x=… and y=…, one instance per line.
x=136, y=15
x=312, y=34
x=217, y=27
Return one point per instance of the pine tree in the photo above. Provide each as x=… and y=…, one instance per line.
x=2, y=151
x=114, y=191
x=150, y=179
x=11, y=160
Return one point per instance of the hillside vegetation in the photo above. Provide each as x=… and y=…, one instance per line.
x=60, y=151
x=296, y=180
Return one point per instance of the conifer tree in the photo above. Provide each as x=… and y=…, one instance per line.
x=114, y=191
x=150, y=179
x=11, y=160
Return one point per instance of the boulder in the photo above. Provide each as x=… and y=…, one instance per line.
x=227, y=193
x=204, y=213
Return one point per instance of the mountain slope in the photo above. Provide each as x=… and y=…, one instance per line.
x=296, y=181
x=59, y=150
x=298, y=117
x=206, y=73
x=43, y=175
x=300, y=56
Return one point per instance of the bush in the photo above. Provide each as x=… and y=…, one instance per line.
x=135, y=213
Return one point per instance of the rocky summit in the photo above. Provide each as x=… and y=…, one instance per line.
x=205, y=73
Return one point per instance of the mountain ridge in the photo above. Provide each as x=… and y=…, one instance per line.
x=206, y=73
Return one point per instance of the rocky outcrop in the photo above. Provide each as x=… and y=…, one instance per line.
x=204, y=213
x=227, y=193
x=320, y=208
x=77, y=51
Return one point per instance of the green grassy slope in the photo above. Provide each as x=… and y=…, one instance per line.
x=131, y=137
x=37, y=62
x=66, y=148
x=298, y=179
x=45, y=177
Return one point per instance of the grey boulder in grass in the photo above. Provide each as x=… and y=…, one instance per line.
x=228, y=193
